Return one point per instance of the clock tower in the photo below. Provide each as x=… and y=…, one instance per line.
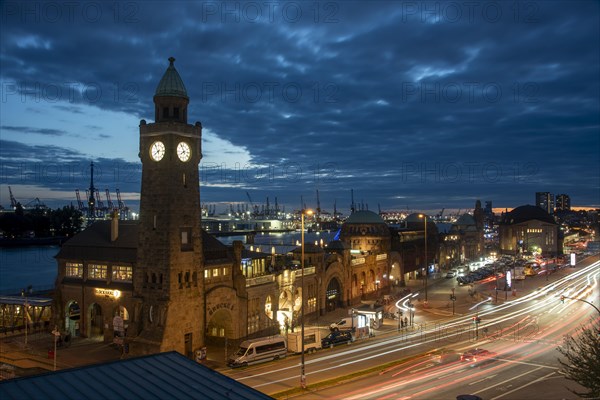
x=169, y=272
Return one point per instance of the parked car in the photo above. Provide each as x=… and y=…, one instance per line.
x=335, y=338
x=450, y=274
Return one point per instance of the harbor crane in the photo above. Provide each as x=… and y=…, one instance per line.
x=109, y=201
x=79, y=202
x=13, y=201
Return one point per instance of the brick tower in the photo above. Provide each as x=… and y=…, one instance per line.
x=168, y=275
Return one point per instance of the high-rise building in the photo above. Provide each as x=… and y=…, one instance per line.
x=563, y=202
x=488, y=210
x=545, y=200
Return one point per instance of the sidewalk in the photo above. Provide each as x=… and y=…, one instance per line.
x=38, y=355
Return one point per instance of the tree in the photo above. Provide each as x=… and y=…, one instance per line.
x=582, y=359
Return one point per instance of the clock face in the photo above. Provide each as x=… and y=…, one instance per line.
x=157, y=151
x=183, y=151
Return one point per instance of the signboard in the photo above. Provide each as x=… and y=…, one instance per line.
x=107, y=292
x=118, y=324
x=518, y=274
x=573, y=259
x=201, y=354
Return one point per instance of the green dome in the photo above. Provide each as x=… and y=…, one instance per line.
x=171, y=83
x=364, y=217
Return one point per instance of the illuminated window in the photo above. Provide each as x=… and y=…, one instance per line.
x=122, y=273
x=207, y=273
x=74, y=270
x=216, y=272
x=97, y=271
x=225, y=271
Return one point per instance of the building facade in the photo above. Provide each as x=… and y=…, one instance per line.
x=545, y=201
x=528, y=230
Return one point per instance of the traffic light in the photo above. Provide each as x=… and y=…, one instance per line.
x=562, y=299
x=476, y=320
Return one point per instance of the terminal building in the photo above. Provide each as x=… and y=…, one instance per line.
x=162, y=283
x=529, y=229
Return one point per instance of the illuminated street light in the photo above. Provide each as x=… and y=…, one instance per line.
x=24, y=293
x=302, y=373
x=562, y=299
x=426, y=266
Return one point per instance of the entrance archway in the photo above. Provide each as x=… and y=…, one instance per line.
x=220, y=324
x=333, y=295
x=72, y=318
x=95, y=321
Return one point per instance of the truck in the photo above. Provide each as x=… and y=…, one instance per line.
x=312, y=341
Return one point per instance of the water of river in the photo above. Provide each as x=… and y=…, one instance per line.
x=24, y=266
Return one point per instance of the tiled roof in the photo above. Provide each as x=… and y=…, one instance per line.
x=94, y=243
x=527, y=213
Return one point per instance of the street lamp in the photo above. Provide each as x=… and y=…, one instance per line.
x=426, y=266
x=56, y=334
x=24, y=293
x=302, y=373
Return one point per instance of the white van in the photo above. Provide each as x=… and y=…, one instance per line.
x=258, y=350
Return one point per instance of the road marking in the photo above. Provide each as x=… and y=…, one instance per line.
x=481, y=380
x=525, y=363
x=521, y=387
x=507, y=380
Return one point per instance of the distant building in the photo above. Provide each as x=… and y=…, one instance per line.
x=545, y=201
x=488, y=210
x=529, y=229
x=409, y=242
x=563, y=202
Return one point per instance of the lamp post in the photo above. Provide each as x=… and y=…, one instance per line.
x=56, y=334
x=24, y=293
x=426, y=266
x=562, y=299
x=302, y=373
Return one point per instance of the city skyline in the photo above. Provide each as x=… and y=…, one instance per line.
x=413, y=106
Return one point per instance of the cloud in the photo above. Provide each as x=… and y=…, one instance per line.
x=40, y=131
x=392, y=99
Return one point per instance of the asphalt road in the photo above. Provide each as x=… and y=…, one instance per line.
x=522, y=332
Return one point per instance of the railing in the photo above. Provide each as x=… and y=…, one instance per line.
x=307, y=271
x=260, y=280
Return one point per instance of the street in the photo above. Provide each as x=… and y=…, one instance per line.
x=521, y=332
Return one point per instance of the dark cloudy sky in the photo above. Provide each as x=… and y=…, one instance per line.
x=413, y=105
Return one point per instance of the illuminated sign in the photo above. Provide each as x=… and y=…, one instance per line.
x=573, y=259
x=508, y=278
x=108, y=292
